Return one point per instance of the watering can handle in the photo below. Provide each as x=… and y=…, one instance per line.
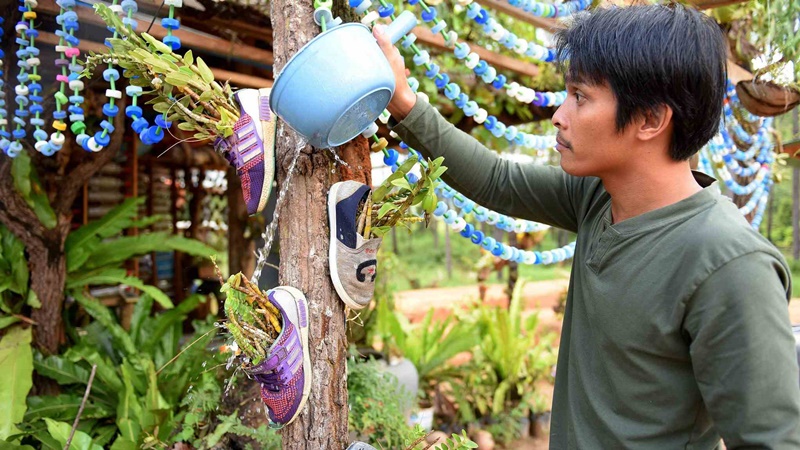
x=401, y=26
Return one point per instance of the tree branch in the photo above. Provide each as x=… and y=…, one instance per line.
x=80, y=410
x=15, y=213
x=74, y=180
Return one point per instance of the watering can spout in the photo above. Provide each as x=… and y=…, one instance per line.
x=401, y=26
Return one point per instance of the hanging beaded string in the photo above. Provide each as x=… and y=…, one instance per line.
x=170, y=23
x=69, y=21
x=5, y=143
x=147, y=134
x=497, y=32
x=481, y=68
x=549, y=10
x=497, y=248
x=27, y=50
x=482, y=214
x=68, y=51
x=451, y=90
x=759, y=216
x=723, y=151
x=35, y=88
x=507, y=252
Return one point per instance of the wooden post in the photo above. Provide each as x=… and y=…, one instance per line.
x=303, y=226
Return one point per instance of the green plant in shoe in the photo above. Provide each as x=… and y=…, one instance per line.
x=183, y=86
x=253, y=321
x=389, y=204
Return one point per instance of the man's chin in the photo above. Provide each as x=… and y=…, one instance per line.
x=572, y=169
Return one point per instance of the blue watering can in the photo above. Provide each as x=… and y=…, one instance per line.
x=337, y=84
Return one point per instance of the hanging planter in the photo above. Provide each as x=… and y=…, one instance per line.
x=183, y=87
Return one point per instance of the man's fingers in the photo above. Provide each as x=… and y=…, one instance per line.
x=383, y=40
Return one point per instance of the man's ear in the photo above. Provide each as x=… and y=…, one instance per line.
x=655, y=123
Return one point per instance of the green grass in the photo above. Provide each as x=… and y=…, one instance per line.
x=421, y=261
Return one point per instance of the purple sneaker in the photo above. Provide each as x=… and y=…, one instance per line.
x=285, y=375
x=251, y=148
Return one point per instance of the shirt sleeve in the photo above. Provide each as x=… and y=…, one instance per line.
x=528, y=191
x=743, y=353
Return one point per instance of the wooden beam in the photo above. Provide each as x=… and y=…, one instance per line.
x=709, y=4
x=236, y=79
x=792, y=147
x=232, y=27
x=241, y=79
x=425, y=36
x=504, y=7
x=189, y=39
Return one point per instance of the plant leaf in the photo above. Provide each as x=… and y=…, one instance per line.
x=158, y=45
x=20, y=171
x=61, y=431
x=6, y=321
x=63, y=407
x=205, y=72
x=109, y=322
x=177, y=79
x=188, y=59
x=117, y=276
x=385, y=208
x=16, y=365
x=111, y=224
x=402, y=183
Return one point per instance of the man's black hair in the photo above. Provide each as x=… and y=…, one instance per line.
x=649, y=56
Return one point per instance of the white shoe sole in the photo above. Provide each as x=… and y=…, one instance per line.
x=269, y=136
x=332, y=253
x=299, y=297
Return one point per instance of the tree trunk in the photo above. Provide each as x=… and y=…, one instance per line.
x=303, y=224
x=304, y=265
x=48, y=266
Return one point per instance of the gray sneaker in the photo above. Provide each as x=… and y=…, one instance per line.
x=353, y=260
x=358, y=445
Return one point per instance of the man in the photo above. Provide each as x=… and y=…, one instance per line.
x=676, y=330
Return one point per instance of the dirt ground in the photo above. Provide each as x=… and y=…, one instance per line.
x=539, y=297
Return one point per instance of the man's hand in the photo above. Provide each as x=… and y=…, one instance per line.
x=404, y=98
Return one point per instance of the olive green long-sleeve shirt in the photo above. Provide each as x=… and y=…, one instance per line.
x=676, y=330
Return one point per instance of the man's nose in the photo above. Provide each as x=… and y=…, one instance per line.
x=558, y=119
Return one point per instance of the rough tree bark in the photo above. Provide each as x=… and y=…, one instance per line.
x=304, y=246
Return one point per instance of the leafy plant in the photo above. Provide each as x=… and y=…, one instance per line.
x=390, y=202
x=429, y=344
x=15, y=293
x=183, y=86
x=457, y=442
x=375, y=406
x=142, y=394
x=16, y=363
x=512, y=356
x=253, y=321
x=765, y=29
x=96, y=252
